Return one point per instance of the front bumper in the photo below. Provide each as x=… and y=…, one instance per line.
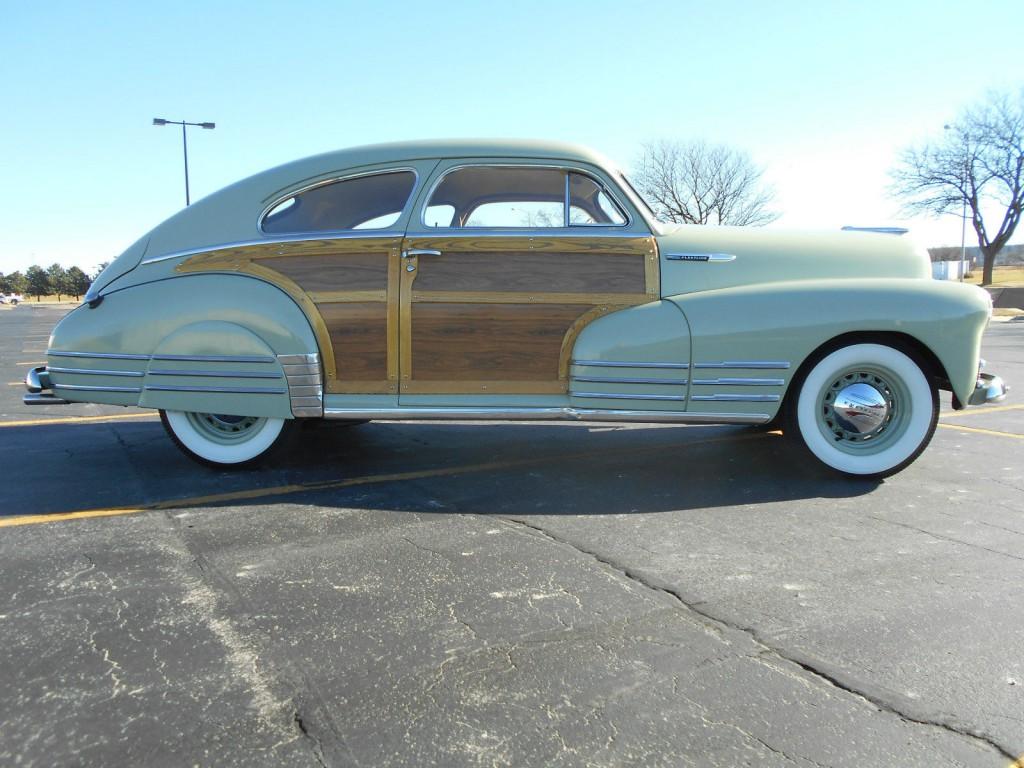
x=37, y=382
x=988, y=389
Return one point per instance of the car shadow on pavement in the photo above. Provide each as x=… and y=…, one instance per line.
x=482, y=468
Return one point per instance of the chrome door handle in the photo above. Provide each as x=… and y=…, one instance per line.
x=413, y=252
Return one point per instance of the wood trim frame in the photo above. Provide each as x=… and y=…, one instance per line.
x=606, y=303
x=247, y=260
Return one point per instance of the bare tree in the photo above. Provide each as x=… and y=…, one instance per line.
x=699, y=183
x=979, y=163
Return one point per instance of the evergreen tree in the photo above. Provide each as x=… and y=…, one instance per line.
x=77, y=282
x=58, y=279
x=38, y=282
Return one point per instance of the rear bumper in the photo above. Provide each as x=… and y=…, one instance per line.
x=37, y=382
x=989, y=389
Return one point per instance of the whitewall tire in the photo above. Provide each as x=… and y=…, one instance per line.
x=866, y=410
x=224, y=441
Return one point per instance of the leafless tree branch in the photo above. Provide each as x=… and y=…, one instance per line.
x=979, y=162
x=698, y=183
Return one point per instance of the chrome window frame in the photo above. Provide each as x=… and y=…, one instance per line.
x=565, y=200
x=308, y=234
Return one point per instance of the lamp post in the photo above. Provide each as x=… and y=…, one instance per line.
x=184, y=142
x=963, y=222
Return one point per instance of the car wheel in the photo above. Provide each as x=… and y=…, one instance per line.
x=866, y=410
x=221, y=441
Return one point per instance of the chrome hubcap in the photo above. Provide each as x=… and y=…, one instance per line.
x=223, y=428
x=859, y=406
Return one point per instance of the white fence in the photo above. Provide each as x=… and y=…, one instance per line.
x=950, y=270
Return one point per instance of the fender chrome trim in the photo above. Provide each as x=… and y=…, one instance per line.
x=224, y=390
x=625, y=364
x=780, y=365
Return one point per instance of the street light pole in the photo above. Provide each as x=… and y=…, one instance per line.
x=963, y=221
x=184, y=143
x=963, y=239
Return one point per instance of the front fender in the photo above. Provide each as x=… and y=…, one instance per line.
x=787, y=321
x=228, y=344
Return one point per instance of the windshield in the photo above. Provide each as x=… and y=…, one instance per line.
x=638, y=198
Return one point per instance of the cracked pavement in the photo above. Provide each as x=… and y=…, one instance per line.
x=594, y=596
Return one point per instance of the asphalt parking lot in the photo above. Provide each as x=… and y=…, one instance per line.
x=514, y=594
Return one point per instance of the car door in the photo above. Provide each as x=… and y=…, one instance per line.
x=334, y=246
x=502, y=266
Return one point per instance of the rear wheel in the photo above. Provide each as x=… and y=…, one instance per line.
x=865, y=409
x=222, y=441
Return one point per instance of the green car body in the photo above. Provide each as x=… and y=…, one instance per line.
x=721, y=322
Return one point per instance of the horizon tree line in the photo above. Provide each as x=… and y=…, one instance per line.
x=54, y=280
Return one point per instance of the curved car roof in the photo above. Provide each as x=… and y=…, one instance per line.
x=230, y=213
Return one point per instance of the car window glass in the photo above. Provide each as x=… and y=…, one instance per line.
x=438, y=215
x=497, y=196
x=364, y=202
x=589, y=204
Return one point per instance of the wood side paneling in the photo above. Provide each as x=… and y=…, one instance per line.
x=489, y=342
x=334, y=271
x=359, y=335
x=540, y=272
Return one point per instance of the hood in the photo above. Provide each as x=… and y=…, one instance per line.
x=769, y=256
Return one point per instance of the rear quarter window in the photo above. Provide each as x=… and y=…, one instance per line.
x=360, y=203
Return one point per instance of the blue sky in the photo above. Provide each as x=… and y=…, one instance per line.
x=822, y=94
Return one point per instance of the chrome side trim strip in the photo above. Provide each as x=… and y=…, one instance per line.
x=228, y=390
x=94, y=372
x=216, y=358
x=216, y=374
x=760, y=364
x=280, y=239
x=305, y=384
x=176, y=358
x=739, y=381
x=90, y=388
x=622, y=396
x=625, y=380
x=97, y=355
x=543, y=414
x=711, y=257
x=737, y=398
x=621, y=364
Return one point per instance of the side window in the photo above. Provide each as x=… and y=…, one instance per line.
x=363, y=202
x=590, y=204
x=497, y=196
x=510, y=197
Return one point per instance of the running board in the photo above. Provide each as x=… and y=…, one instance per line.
x=414, y=413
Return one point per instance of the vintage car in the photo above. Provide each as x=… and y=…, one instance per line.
x=511, y=280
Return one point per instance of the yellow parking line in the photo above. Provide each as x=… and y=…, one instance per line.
x=982, y=410
x=15, y=383
x=327, y=485
x=6, y=522
x=76, y=419
x=33, y=362
x=981, y=431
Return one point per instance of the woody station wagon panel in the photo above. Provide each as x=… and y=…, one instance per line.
x=510, y=280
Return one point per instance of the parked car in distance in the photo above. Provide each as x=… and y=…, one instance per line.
x=511, y=280
x=11, y=298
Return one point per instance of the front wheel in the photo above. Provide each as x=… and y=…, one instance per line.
x=222, y=441
x=866, y=410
